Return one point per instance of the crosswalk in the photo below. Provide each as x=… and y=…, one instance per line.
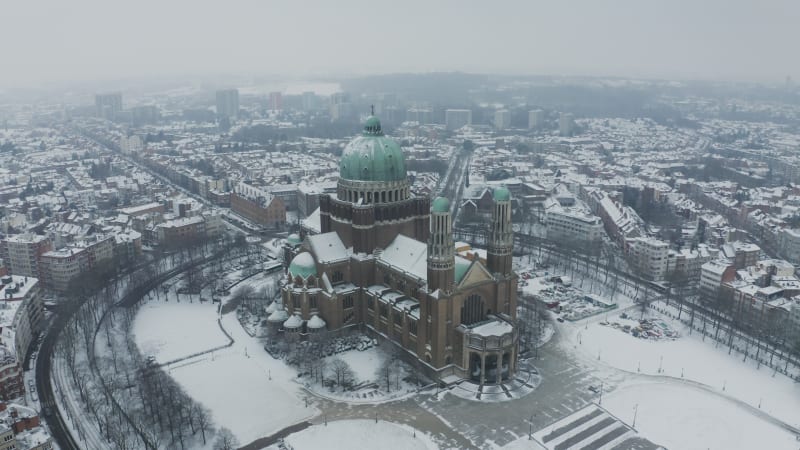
x=590, y=428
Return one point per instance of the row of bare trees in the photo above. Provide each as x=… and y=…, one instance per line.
x=133, y=402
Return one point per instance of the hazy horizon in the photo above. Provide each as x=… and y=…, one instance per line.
x=88, y=40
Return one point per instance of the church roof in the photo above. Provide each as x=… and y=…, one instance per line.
x=372, y=156
x=462, y=266
x=303, y=265
x=328, y=247
x=502, y=194
x=407, y=255
x=441, y=205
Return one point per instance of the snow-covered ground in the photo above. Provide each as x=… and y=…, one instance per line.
x=356, y=434
x=171, y=330
x=364, y=363
x=247, y=391
x=366, y=366
x=692, y=359
x=679, y=416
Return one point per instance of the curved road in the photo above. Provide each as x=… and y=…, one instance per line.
x=56, y=422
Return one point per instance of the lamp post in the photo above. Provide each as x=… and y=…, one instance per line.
x=635, y=411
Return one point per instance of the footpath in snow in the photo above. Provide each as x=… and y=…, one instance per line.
x=246, y=390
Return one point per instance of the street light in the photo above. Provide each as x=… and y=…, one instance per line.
x=635, y=411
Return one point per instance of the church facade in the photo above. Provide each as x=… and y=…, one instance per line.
x=385, y=260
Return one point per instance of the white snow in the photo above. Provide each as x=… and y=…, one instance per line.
x=682, y=416
x=354, y=434
x=171, y=330
x=246, y=390
x=692, y=359
x=365, y=363
x=493, y=328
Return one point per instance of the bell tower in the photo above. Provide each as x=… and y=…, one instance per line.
x=441, y=250
x=501, y=236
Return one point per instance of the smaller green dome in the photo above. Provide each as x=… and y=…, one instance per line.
x=303, y=266
x=441, y=205
x=294, y=239
x=502, y=194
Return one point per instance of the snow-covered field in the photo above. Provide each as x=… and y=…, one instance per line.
x=357, y=434
x=692, y=359
x=171, y=330
x=680, y=416
x=246, y=390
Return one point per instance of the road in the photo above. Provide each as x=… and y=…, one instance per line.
x=44, y=366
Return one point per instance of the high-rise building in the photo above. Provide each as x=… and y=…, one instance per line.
x=108, y=105
x=340, y=106
x=457, y=118
x=21, y=253
x=535, y=119
x=145, y=114
x=566, y=124
x=275, y=101
x=502, y=119
x=309, y=101
x=419, y=115
x=228, y=103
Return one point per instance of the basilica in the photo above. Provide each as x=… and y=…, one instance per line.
x=384, y=260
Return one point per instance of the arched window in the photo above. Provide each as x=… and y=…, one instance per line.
x=472, y=310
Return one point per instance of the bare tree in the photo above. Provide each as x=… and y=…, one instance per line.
x=342, y=372
x=226, y=440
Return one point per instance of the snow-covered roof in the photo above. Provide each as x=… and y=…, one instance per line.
x=328, y=247
x=407, y=255
x=279, y=315
x=316, y=322
x=293, y=322
x=493, y=328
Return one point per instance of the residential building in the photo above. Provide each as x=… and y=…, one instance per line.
x=789, y=244
x=536, y=119
x=107, y=106
x=258, y=205
x=573, y=226
x=60, y=267
x=648, y=257
x=502, y=119
x=566, y=124
x=22, y=253
x=228, y=103
x=712, y=275
x=275, y=101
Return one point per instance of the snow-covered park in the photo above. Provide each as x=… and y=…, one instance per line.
x=681, y=416
x=696, y=384
x=246, y=390
x=172, y=330
x=357, y=434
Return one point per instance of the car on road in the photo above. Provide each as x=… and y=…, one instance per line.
x=560, y=319
x=594, y=389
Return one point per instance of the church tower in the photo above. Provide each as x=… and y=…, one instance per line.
x=501, y=237
x=441, y=250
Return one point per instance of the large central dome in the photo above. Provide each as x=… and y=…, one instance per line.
x=372, y=156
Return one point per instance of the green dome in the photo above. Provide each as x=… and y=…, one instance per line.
x=502, y=194
x=294, y=239
x=372, y=156
x=303, y=266
x=441, y=205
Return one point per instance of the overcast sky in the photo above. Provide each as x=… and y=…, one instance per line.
x=65, y=40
